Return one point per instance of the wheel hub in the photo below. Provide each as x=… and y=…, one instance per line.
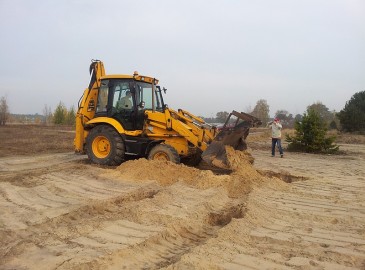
x=161, y=156
x=101, y=147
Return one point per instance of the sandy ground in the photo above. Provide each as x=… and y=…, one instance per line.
x=304, y=211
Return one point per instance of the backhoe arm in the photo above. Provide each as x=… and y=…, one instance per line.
x=87, y=104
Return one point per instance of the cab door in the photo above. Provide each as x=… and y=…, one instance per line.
x=144, y=102
x=122, y=103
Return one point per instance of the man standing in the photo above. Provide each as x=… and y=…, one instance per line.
x=276, y=136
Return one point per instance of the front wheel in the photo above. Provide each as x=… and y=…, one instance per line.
x=164, y=152
x=105, y=146
x=194, y=159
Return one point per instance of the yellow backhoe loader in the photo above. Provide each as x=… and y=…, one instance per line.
x=121, y=116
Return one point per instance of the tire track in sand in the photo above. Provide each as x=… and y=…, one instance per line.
x=47, y=212
x=74, y=219
x=312, y=224
x=315, y=224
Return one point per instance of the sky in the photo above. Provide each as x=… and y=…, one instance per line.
x=211, y=55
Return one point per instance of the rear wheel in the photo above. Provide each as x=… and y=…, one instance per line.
x=164, y=152
x=105, y=146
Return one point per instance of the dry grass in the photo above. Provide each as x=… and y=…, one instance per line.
x=32, y=139
x=348, y=138
x=345, y=138
x=260, y=138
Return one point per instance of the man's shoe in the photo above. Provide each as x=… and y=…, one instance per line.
x=281, y=156
x=272, y=155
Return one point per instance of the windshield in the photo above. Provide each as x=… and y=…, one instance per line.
x=144, y=96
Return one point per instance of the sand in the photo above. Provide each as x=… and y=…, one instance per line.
x=58, y=211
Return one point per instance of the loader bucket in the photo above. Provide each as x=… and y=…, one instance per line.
x=230, y=135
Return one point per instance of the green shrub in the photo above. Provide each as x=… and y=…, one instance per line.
x=352, y=117
x=310, y=135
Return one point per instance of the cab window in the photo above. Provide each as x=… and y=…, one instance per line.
x=144, y=91
x=103, y=97
x=122, y=97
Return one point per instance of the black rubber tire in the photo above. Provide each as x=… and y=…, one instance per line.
x=114, y=155
x=164, y=152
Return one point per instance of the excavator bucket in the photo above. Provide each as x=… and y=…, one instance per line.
x=233, y=133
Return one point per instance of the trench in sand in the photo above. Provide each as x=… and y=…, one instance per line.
x=191, y=205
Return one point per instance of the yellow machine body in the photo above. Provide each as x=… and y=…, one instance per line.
x=143, y=126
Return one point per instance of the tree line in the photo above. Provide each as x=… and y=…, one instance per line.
x=350, y=119
x=60, y=116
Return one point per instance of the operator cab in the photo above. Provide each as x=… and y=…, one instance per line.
x=126, y=99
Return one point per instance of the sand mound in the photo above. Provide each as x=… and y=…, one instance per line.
x=165, y=173
x=241, y=162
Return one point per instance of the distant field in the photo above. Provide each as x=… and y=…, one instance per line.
x=32, y=139
x=259, y=134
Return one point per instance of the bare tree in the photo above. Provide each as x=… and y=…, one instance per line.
x=222, y=116
x=4, y=111
x=47, y=113
x=286, y=118
x=248, y=109
x=261, y=111
x=323, y=112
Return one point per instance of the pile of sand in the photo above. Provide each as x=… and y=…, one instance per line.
x=166, y=173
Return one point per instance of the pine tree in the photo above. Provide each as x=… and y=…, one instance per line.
x=352, y=117
x=59, y=116
x=71, y=116
x=310, y=135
